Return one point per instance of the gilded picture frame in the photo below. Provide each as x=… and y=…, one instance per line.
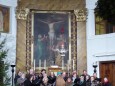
x=51, y=33
x=54, y=30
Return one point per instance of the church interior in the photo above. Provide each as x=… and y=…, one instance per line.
x=63, y=37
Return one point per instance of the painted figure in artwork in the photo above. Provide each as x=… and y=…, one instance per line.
x=41, y=45
x=51, y=32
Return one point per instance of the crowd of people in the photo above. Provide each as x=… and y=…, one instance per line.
x=62, y=79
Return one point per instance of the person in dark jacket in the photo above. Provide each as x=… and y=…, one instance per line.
x=51, y=78
x=93, y=82
x=82, y=81
x=20, y=81
x=75, y=78
x=106, y=82
x=87, y=80
x=84, y=74
x=18, y=75
x=29, y=81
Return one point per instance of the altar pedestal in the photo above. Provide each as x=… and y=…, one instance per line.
x=56, y=70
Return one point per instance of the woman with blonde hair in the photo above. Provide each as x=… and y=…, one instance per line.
x=60, y=81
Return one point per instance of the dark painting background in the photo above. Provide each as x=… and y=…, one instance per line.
x=44, y=47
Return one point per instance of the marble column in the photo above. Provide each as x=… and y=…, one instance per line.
x=90, y=23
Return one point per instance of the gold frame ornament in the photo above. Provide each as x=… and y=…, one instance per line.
x=21, y=13
x=72, y=41
x=80, y=15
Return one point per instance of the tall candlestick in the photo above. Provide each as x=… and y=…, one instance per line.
x=34, y=64
x=62, y=64
x=45, y=64
x=39, y=63
x=73, y=64
x=68, y=66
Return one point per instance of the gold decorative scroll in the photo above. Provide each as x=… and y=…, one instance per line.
x=21, y=13
x=80, y=15
x=74, y=41
x=29, y=40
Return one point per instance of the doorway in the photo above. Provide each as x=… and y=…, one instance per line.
x=107, y=69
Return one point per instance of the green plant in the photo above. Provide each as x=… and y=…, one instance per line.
x=4, y=79
x=106, y=10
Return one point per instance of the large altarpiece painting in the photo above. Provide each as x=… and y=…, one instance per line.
x=51, y=39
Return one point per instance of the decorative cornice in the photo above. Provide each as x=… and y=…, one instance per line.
x=80, y=15
x=21, y=13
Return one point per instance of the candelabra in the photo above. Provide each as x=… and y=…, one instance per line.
x=95, y=66
x=12, y=74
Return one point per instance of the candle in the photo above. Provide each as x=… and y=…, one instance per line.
x=34, y=64
x=68, y=66
x=39, y=63
x=62, y=64
x=45, y=64
x=73, y=64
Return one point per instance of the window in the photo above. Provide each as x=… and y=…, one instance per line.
x=103, y=27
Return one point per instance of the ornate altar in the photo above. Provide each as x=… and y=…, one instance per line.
x=27, y=12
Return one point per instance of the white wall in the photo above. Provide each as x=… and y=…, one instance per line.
x=99, y=47
x=11, y=36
